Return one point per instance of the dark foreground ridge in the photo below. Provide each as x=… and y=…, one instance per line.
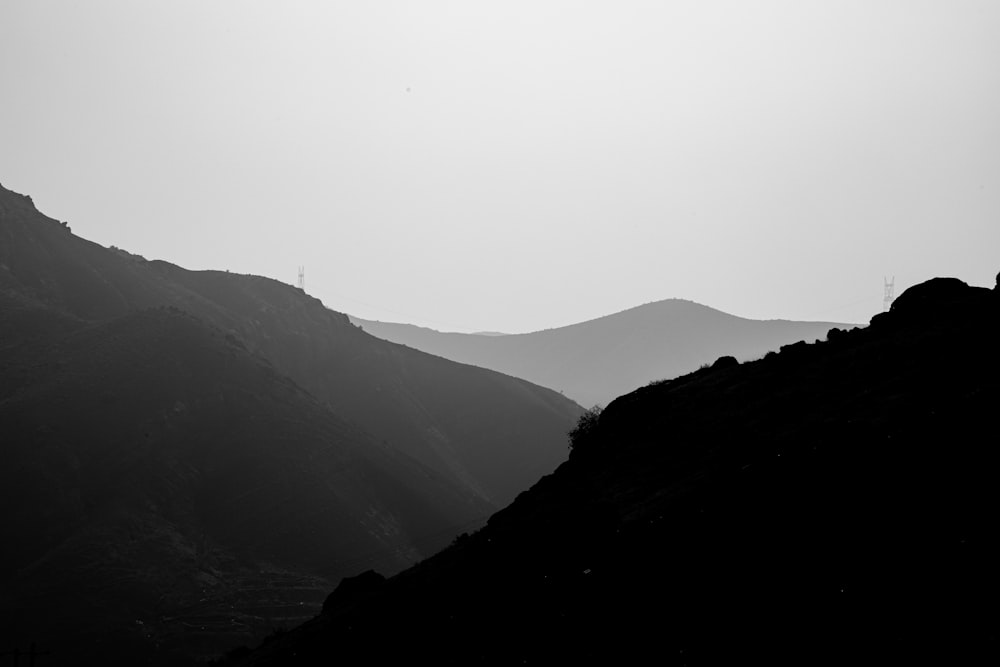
x=835, y=502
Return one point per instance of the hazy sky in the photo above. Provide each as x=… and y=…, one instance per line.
x=520, y=165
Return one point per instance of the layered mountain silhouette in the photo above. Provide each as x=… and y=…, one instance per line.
x=833, y=503
x=596, y=361
x=493, y=433
x=191, y=456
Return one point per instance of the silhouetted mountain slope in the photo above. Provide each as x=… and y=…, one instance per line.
x=835, y=503
x=149, y=458
x=493, y=433
x=593, y=362
x=188, y=454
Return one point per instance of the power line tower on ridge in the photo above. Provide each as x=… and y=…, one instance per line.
x=890, y=287
x=302, y=278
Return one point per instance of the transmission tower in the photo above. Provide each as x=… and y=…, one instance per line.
x=302, y=278
x=890, y=286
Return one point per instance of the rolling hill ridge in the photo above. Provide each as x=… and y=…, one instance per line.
x=596, y=361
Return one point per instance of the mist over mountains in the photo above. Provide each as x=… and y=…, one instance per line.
x=202, y=466
x=596, y=361
x=194, y=459
x=191, y=456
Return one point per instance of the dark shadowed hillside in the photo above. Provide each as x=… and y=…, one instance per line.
x=191, y=457
x=152, y=462
x=593, y=362
x=835, y=503
x=493, y=433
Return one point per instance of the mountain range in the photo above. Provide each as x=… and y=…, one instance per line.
x=596, y=361
x=192, y=459
x=831, y=503
x=191, y=456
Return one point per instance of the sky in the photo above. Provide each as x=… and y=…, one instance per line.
x=514, y=166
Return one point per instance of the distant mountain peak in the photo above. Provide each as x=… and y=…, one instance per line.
x=597, y=360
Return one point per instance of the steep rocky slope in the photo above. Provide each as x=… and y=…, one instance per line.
x=833, y=503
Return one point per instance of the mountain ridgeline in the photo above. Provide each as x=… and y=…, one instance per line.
x=833, y=503
x=453, y=418
x=596, y=361
x=190, y=457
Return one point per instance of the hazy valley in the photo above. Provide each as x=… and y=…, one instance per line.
x=730, y=399
x=194, y=459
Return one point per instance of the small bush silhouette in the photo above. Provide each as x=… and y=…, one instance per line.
x=725, y=362
x=585, y=428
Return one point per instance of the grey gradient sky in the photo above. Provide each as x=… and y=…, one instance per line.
x=520, y=165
